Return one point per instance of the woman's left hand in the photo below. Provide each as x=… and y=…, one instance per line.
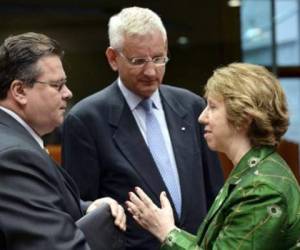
x=158, y=221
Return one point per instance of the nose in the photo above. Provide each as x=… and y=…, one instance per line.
x=203, y=116
x=66, y=93
x=150, y=69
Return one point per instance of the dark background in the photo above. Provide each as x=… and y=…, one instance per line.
x=211, y=27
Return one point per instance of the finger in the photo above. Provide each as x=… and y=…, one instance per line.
x=118, y=215
x=165, y=203
x=113, y=207
x=144, y=197
x=117, y=211
x=123, y=222
x=136, y=214
x=132, y=208
x=135, y=199
x=120, y=218
x=137, y=219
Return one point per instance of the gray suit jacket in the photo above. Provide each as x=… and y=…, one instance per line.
x=39, y=202
x=106, y=154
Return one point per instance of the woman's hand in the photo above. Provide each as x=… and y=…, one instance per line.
x=117, y=211
x=158, y=221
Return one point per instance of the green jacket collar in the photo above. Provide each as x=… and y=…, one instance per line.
x=250, y=160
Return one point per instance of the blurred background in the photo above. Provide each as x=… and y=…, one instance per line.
x=202, y=35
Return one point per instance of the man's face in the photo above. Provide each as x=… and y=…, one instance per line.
x=47, y=99
x=141, y=80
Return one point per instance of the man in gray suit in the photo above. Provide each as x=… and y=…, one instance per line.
x=39, y=201
x=107, y=137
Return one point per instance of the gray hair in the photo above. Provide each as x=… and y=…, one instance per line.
x=133, y=21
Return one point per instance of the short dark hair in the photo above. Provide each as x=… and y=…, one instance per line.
x=19, y=55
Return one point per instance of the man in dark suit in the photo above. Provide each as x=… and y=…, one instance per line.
x=107, y=141
x=39, y=201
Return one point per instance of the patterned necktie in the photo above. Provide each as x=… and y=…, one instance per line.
x=160, y=154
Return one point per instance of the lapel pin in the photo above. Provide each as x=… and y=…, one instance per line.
x=182, y=128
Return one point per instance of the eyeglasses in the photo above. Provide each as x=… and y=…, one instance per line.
x=141, y=61
x=58, y=85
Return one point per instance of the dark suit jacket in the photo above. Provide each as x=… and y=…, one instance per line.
x=100, y=231
x=106, y=154
x=39, y=202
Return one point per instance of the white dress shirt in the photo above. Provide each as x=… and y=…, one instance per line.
x=133, y=101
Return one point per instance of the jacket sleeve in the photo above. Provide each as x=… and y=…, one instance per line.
x=32, y=210
x=179, y=239
x=254, y=219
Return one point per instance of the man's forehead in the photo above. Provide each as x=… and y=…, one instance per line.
x=50, y=65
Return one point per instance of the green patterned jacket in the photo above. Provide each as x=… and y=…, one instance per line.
x=258, y=208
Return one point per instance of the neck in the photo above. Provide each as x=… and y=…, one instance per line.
x=11, y=106
x=17, y=109
x=237, y=150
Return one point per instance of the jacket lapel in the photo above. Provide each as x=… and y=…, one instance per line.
x=130, y=142
x=9, y=121
x=181, y=135
x=71, y=186
x=216, y=206
x=250, y=160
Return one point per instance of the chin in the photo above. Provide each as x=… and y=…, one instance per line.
x=58, y=122
x=145, y=94
x=212, y=146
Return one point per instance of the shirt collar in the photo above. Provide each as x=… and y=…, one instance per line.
x=25, y=125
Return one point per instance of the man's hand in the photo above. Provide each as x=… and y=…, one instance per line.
x=117, y=211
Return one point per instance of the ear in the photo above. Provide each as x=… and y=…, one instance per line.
x=18, y=92
x=111, y=56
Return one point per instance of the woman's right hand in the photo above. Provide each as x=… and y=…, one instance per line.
x=158, y=221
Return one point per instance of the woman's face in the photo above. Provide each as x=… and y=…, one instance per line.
x=218, y=132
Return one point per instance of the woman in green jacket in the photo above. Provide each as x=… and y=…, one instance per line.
x=259, y=205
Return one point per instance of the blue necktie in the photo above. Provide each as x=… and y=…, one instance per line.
x=160, y=154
